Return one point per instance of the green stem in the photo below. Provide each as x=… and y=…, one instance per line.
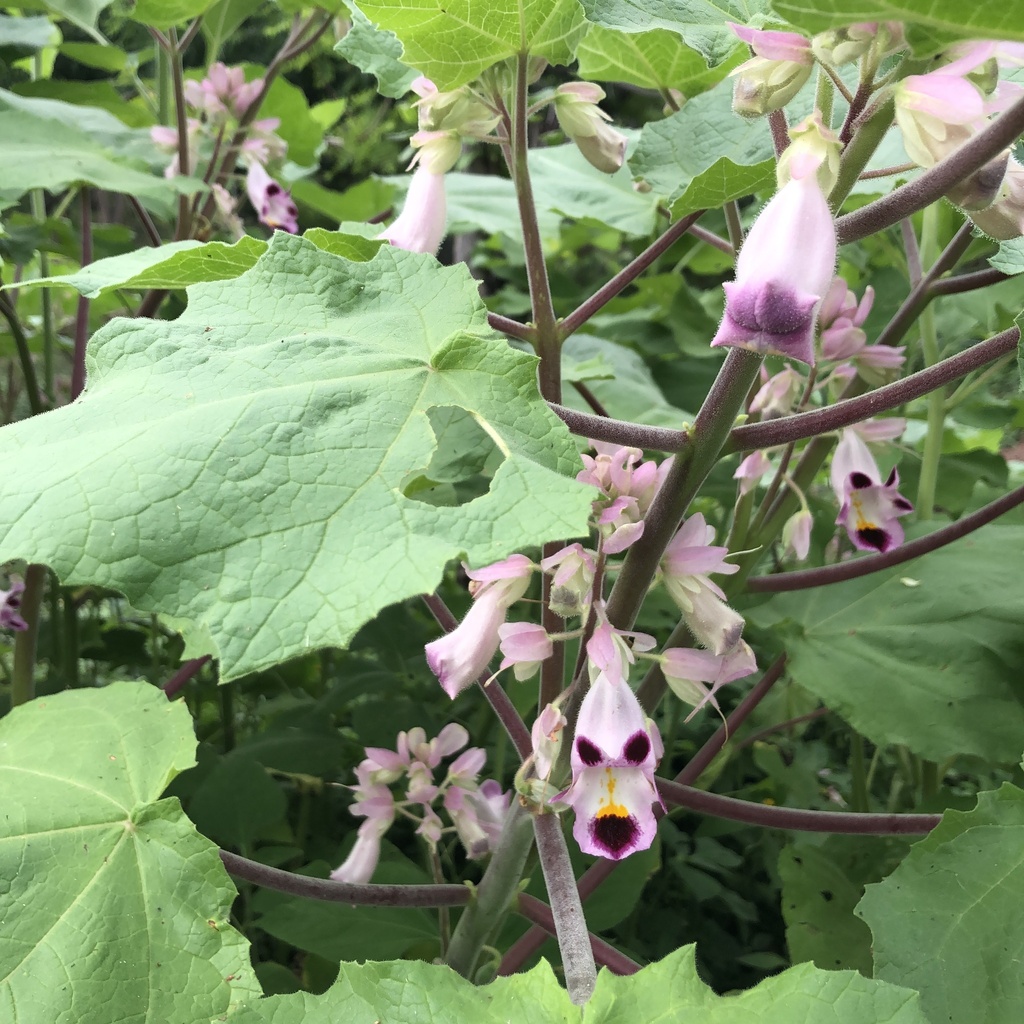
x=566, y=908
x=858, y=773
x=547, y=340
x=859, y=151
x=495, y=896
x=937, y=399
x=23, y=674
x=708, y=436
x=28, y=369
x=824, y=94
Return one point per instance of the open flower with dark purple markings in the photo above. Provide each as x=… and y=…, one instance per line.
x=10, y=605
x=614, y=753
x=869, y=509
x=271, y=202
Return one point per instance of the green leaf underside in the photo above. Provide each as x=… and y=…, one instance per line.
x=933, y=662
x=376, y=53
x=453, y=41
x=930, y=25
x=704, y=155
x=947, y=920
x=700, y=23
x=129, y=905
x=668, y=992
x=241, y=468
x=181, y=264
x=651, y=60
x=47, y=154
x=28, y=33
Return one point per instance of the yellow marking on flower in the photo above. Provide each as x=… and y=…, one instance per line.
x=609, y=808
x=862, y=523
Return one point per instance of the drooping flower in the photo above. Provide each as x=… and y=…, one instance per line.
x=420, y=227
x=362, y=860
x=271, y=202
x=546, y=735
x=580, y=117
x=770, y=79
x=869, y=510
x=688, y=559
x=459, y=657
x=796, y=533
x=10, y=607
x=750, y=471
x=613, y=757
x=783, y=269
x=778, y=393
x=696, y=676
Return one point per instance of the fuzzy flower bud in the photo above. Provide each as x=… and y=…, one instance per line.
x=796, y=533
x=420, y=227
x=778, y=71
x=580, y=117
x=1005, y=217
x=814, y=149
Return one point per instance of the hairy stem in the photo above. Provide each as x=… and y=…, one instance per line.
x=82, y=309
x=566, y=908
x=23, y=675
x=495, y=896
x=28, y=369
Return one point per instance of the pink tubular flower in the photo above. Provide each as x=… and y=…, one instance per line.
x=223, y=91
x=10, y=606
x=688, y=559
x=573, y=580
x=778, y=393
x=869, y=510
x=687, y=671
x=361, y=862
x=272, y=203
x=783, y=270
x=420, y=227
x=613, y=758
x=459, y=657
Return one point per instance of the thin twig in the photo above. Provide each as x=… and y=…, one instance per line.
x=794, y=818
x=427, y=895
x=82, y=309
x=187, y=671
x=590, y=398
x=635, y=435
x=853, y=410
x=513, y=328
x=28, y=368
x=627, y=275
x=855, y=567
x=146, y=221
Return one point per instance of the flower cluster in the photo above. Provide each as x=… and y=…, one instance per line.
x=475, y=809
x=628, y=485
x=219, y=102
x=939, y=111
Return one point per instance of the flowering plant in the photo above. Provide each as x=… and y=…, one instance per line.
x=568, y=489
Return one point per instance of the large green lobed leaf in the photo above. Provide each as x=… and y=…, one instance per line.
x=930, y=24
x=241, y=469
x=700, y=23
x=453, y=41
x=112, y=907
x=947, y=921
x=927, y=654
x=705, y=155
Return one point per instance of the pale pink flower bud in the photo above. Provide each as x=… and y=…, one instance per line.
x=420, y=227
x=841, y=46
x=769, y=80
x=783, y=270
x=813, y=150
x=525, y=645
x=584, y=122
x=888, y=429
x=796, y=533
x=778, y=393
x=572, y=581
x=359, y=865
x=547, y=735
x=1004, y=219
x=467, y=766
x=750, y=471
x=937, y=113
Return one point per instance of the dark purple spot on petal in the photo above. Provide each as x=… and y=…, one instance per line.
x=614, y=833
x=273, y=189
x=782, y=311
x=876, y=538
x=637, y=747
x=902, y=504
x=590, y=754
x=859, y=480
x=893, y=478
